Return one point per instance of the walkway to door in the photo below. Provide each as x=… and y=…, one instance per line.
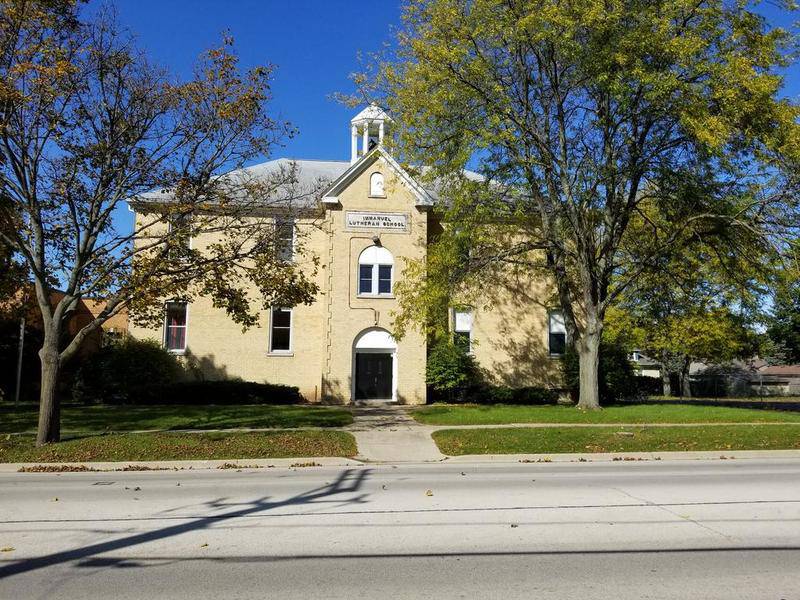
x=386, y=433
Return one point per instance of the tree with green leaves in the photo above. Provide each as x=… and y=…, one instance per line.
x=703, y=302
x=577, y=114
x=784, y=323
x=88, y=123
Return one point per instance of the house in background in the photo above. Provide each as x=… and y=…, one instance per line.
x=370, y=218
x=645, y=366
x=22, y=311
x=776, y=380
x=85, y=311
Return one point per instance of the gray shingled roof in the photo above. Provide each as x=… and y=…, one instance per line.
x=297, y=182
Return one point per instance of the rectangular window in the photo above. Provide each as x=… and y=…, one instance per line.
x=384, y=279
x=557, y=333
x=462, y=329
x=284, y=239
x=175, y=326
x=179, y=238
x=365, y=279
x=281, y=330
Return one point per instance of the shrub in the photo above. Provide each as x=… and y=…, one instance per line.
x=491, y=394
x=215, y=392
x=450, y=371
x=115, y=372
x=649, y=386
x=616, y=378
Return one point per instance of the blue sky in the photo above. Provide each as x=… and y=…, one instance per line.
x=314, y=43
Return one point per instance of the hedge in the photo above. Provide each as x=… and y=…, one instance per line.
x=496, y=394
x=212, y=392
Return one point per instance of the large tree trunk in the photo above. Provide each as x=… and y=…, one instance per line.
x=588, y=348
x=49, y=409
x=686, y=389
x=665, y=380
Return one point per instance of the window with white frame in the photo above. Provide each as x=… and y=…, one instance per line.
x=175, y=326
x=375, y=265
x=462, y=329
x=280, y=336
x=284, y=239
x=557, y=338
x=376, y=187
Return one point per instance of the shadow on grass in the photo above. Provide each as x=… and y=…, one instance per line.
x=106, y=418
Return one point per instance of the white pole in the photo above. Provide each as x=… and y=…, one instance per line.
x=380, y=132
x=353, y=144
x=19, y=359
x=365, y=141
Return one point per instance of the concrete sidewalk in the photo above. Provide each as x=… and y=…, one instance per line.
x=387, y=433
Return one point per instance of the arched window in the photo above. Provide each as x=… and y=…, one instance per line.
x=375, y=266
x=376, y=185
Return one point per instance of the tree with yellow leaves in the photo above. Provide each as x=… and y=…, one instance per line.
x=87, y=123
x=577, y=113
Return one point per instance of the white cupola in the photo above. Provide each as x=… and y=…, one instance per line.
x=370, y=125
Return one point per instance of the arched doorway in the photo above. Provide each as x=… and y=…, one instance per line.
x=375, y=366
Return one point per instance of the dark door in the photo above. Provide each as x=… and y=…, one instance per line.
x=373, y=376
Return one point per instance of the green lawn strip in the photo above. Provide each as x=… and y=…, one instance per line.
x=446, y=414
x=743, y=399
x=98, y=418
x=181, y=446
x=606, y=439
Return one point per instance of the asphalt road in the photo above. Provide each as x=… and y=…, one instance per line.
x=685, y=529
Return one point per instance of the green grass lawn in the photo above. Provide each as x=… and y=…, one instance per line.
x=446, y=414
x=606, y=439
x=98, y=419
x=181, y=446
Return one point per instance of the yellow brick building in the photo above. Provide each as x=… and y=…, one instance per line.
x=340, y=348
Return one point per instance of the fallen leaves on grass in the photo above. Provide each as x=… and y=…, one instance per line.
x=181, y=446
x=142, y=468
x=55, y=469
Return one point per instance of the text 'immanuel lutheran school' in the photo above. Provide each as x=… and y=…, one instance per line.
x=365, y=220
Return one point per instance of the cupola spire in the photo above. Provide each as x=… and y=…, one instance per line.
x=371, y=125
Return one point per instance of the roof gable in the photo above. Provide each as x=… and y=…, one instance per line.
x=331, y=194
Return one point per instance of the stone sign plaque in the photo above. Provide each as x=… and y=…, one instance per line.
x=377, y=220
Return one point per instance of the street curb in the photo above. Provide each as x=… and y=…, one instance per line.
x=625, y=456
x=189, y=465
x=297, y=463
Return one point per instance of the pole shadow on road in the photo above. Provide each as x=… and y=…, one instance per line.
x=349, y=481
